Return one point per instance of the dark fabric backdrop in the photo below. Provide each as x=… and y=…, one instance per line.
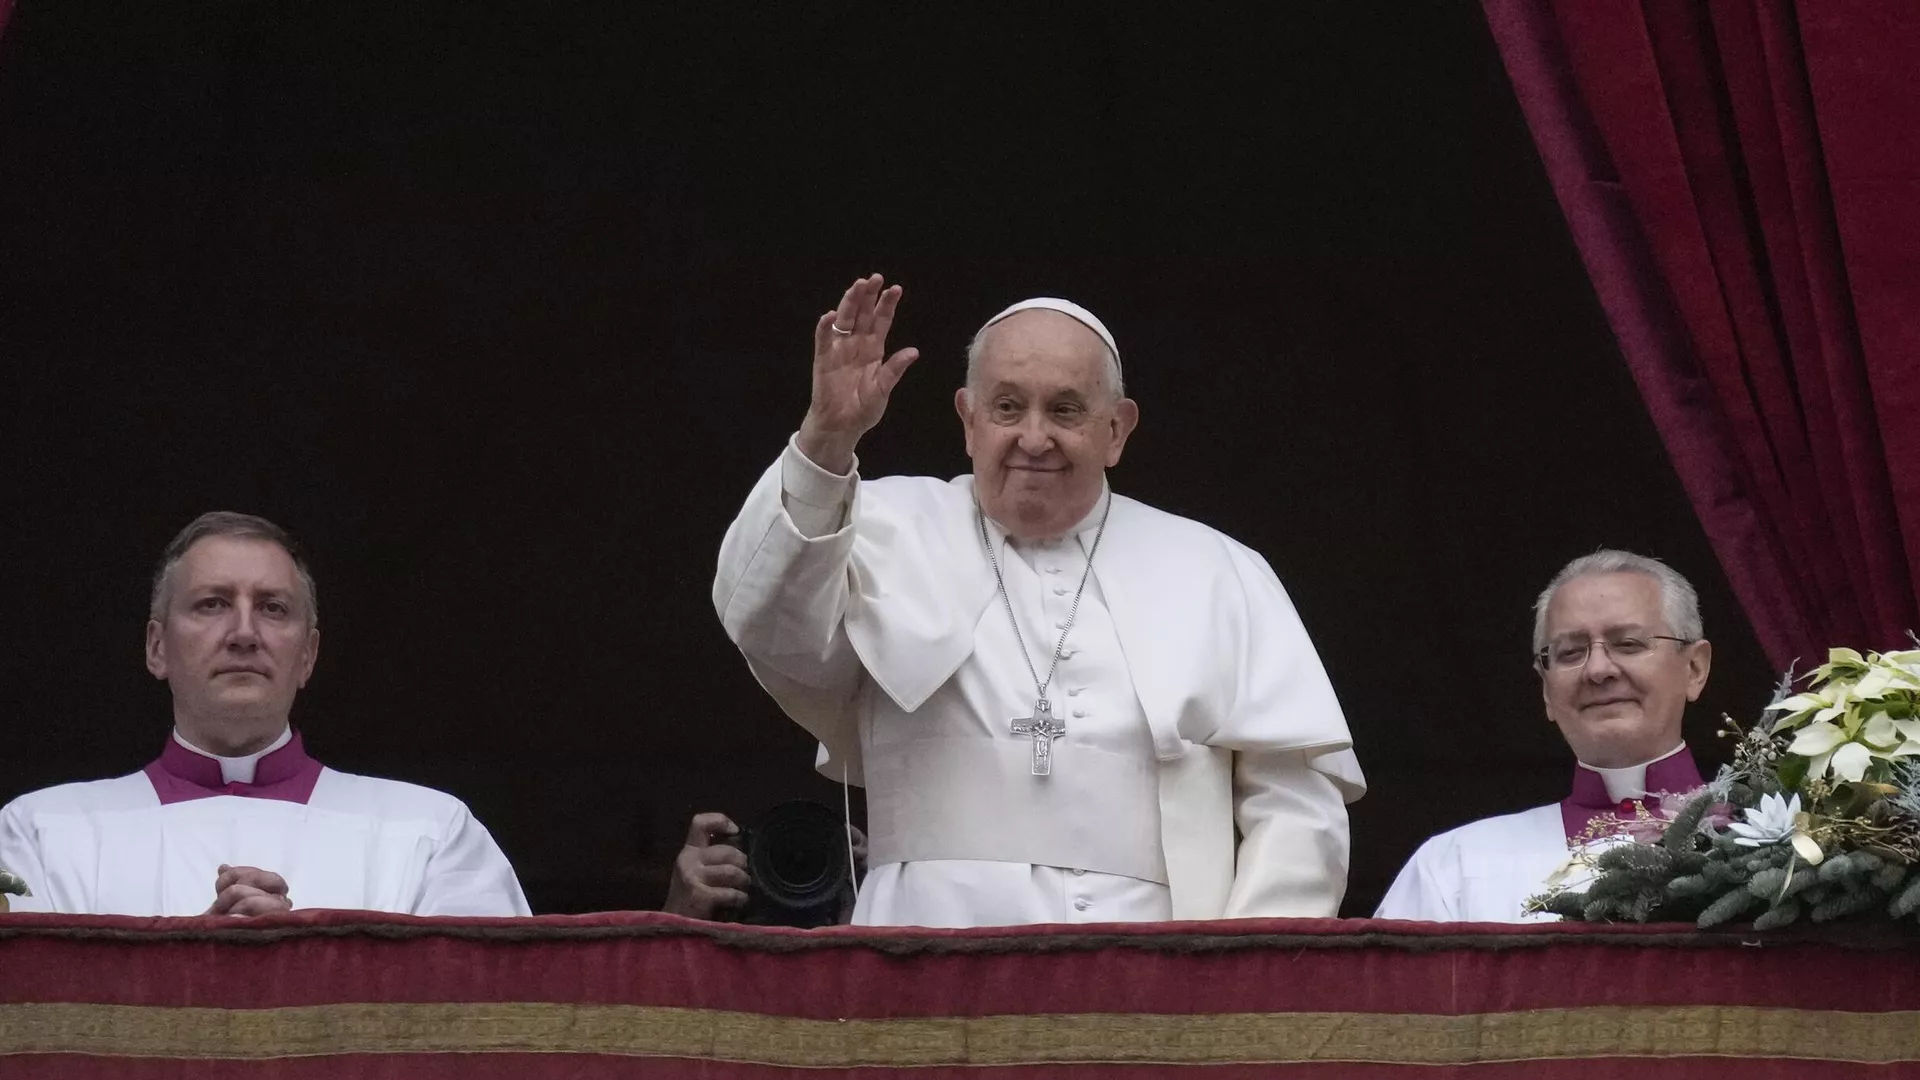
x=504, y=308
x=1743, y=181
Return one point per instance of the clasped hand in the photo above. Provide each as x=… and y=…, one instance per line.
x=249, y=890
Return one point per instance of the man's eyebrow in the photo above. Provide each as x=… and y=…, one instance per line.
x=1610, y=628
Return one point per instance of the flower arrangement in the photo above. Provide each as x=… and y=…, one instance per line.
x=1817, y=817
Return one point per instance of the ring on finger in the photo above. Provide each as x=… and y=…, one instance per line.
x=841, y=330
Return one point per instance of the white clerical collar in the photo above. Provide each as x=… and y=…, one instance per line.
x=1629, y=781
x=1084, y=530
x=238, y=770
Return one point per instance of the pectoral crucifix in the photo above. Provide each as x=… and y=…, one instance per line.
x=1044, y=728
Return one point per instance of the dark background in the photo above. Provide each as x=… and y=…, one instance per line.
x=502, y=311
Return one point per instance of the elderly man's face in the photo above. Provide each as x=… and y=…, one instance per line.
x=233, y=642
x=1619, y=710
x=1042, y=425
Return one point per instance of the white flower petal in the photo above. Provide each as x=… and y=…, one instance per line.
x=1851, y=761
x=1809, y=851
x=1817, y=739
x=1880, y=730
x=1873, y=685
x=1798, y=703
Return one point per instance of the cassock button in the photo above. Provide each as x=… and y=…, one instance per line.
x=1059, y=590
x=1074, y=691
x=1080, y=904
x=1077, y=872
x=1079, y=713
x=1053, y=569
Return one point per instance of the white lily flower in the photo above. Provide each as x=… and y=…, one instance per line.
x=1774, y=820
x=1769, y=823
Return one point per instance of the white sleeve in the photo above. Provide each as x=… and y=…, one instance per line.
x=468, y=874
x=20, y=854
x=1292, y=817
x=816, y=501
x=1422, y=890
x=782, y=591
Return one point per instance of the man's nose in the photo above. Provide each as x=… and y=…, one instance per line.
x=1035, y=437
x=243, y=633
x=1600, y=663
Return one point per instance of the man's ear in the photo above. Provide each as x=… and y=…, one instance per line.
x=156, y=649
x=309, y=655
x=1699, y=663
x=963, y=405
x=1126, y=417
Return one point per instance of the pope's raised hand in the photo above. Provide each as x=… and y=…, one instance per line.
x=852, y=374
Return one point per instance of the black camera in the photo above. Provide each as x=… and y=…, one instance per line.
x=797, y=857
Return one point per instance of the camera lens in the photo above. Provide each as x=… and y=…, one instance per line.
x=797, y=859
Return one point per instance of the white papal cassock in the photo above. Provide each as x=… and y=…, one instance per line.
x=1486, y=870
x=152, y=843
x=1194, y=704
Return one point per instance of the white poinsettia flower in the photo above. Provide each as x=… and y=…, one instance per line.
x=1799, y=703
x=1817, y=738
x=1874, y=685
x=1769, y=823
x=1879, y=730
x=1850, y=762
x=1905, y=663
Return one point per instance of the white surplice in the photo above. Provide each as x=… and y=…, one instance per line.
x=1483, y=871
x=113, y=847
x=1194, y=704
x=1486, y=870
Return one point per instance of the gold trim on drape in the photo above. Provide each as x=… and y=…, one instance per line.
x=1238, y=1038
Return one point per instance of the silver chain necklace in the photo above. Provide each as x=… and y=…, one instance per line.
x=1043, y=727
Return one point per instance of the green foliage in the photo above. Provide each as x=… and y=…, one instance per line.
x=1907, y=902
x=1824, y=800
x=1730, y=905
x=1777, y=916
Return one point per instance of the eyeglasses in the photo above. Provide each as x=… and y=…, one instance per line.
x=1569, y=656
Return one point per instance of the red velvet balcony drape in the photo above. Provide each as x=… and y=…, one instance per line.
x=1743, y=183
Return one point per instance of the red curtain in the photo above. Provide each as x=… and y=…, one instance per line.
x=1743, y=183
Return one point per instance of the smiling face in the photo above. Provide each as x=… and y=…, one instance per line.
x=1618, y=710
x=1043, y=424
x=234, y=642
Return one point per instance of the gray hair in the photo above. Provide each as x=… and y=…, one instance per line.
x=1111, y=374
x=239, y=527
x=1679, y=604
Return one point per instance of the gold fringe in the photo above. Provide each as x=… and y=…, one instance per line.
x=716, y=1035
